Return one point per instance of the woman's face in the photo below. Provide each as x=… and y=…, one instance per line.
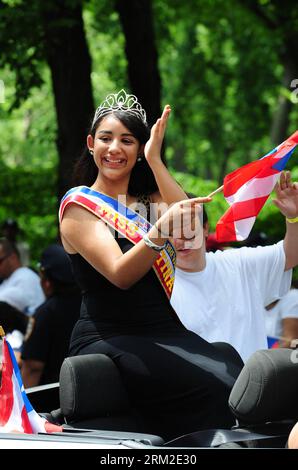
x=115, y=148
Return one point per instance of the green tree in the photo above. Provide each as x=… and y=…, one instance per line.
x=36, y=32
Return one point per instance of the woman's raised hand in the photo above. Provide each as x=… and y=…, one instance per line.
x=153, y=146
x=287, y=196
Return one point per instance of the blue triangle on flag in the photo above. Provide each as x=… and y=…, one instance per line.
x=279, y=166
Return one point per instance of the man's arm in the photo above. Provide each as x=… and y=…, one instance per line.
x=291, y=245
x=35, y=351
x=287, y=202
x=289, y=331
x=31, y=372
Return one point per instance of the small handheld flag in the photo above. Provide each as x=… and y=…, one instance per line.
x=16, y=411
x=247, y=189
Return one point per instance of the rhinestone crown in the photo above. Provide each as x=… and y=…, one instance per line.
x=120, y=101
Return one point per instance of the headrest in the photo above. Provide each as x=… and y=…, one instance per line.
x=90, y=386
x=267, y=387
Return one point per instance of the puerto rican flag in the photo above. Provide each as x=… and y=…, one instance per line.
x=248, y=188
x=16, y=412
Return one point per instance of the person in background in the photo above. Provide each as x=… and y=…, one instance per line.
x=281, y=318
x=47, y=343
x=221, y=296
x=11, y=231
x=20, y=292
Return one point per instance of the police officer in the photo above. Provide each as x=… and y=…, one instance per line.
x=47, y=344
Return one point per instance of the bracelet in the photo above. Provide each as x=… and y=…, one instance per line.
x=292, y=221
x=152, y=245
x=160, y=232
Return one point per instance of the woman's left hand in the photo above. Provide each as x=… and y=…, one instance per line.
x=153, y=146
x=287, y=196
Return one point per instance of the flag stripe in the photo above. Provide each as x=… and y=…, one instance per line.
x=226, y=231
x=243, y=228
x=255, y=188
x=25, y=422
x=6, y=390
x=244, y=209
x=240, y=177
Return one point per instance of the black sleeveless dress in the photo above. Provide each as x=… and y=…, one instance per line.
x=177, y=381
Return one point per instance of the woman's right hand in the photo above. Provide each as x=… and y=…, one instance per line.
x=182, y=219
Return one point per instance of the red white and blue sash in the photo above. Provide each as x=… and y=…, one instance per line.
x=126, y=222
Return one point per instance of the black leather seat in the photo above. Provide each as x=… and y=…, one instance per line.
x=94, y=401
x=92, y=394
x=267, y=387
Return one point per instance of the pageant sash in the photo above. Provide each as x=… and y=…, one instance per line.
x=125, y=221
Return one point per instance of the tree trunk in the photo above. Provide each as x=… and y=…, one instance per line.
x=281, y=20
x=141, y=53
x=280, y=122
x=222, y=171
x=70, y=64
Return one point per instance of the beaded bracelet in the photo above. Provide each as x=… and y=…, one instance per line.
x=292, y=221
x=152, y=245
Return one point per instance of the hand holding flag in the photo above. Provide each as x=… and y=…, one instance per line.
x=247, y=189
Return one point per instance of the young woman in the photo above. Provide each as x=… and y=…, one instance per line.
x=178, y=382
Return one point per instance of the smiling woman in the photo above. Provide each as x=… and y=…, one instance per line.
x=125, y=268
x=113, y=148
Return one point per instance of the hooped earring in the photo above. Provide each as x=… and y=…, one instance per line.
x=91, y=152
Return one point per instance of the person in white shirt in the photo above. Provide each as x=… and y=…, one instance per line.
x=281, y=318
x=221, y=296
x=11, y=231
x=20, y=290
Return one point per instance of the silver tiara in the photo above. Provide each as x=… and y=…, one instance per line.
x=120, y=101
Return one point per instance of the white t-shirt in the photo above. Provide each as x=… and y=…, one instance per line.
x=225, y=301
x=286, y=307
x=22, y=290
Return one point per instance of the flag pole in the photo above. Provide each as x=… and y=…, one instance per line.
x=2, y=332
x=218, y=190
